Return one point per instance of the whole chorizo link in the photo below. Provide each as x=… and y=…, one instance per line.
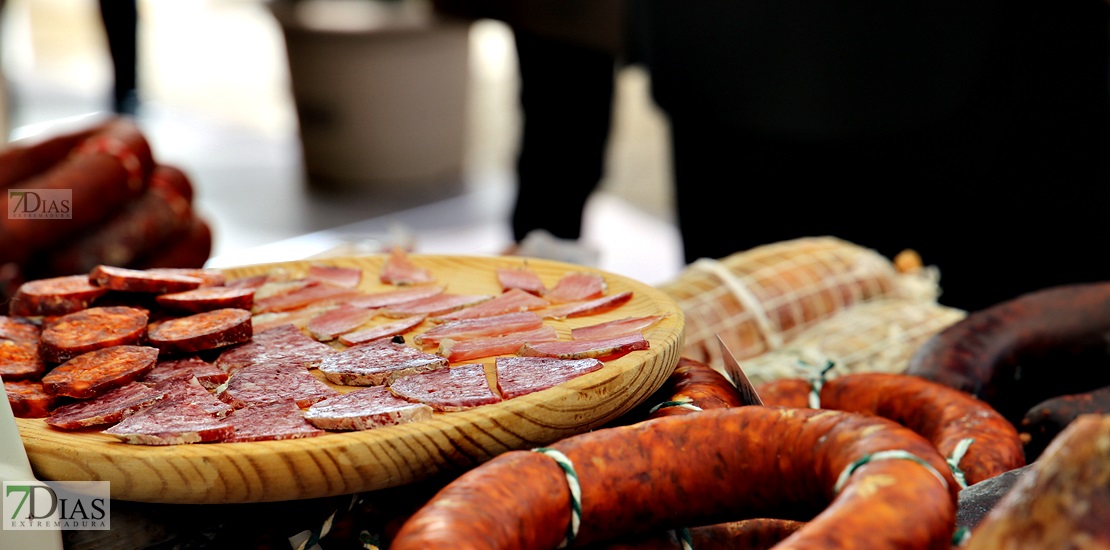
x=942, y=415
x=695, y=386
x=669, y=472
x=747, y=534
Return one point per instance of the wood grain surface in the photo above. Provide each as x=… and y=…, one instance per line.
x=348, y=462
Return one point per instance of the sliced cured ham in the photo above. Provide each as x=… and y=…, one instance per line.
x=253, y=281
x=365, y=409
x=510, y=301
x=108, y=408
x=435, y=305
x=377, y=363
x=210, y=376
x=517, y=376
x=346, y=277
x=279, y=286
x=587, y=307
x=281, y=345
x=604, y=349
x=385, y=298
x=208, y=277
x=384, y=330
x=445, y=390
x=576, y=287
x=28, y=399
x=477, y=348
x=466, y=329
x=166, y=423
x=266, y=383
x=398, y=269
x=313, y=294
x=617, y=327
x=279, y=420
x=297, y=317
x=344, y=318
x=521, y=278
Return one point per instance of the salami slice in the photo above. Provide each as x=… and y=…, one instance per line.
x=344, y=318
x=92, y=329
x=377, y=363
x=203, y=331
x=451, y=389
x=265, y=383
x=521, y=278
x=207, y=298
x=477, y=348
x=510, y=301
x=207, y=374
x=140, y=280
x=184, y=388
x=605, y=349
x=54, y=296
x=283, y=344
x=465, y=329
x=93, y=373
x=107, y=408
x=587, y=307
x=28, y=399
x=517, y=376
x=365, y=409
x=171, y=423
x=384, y=330
x=577, y=286
x=280, y=420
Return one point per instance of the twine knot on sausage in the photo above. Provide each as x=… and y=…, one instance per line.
x=957, y=456
x=842, y=480
x=686, y=404
x=817, y=381
x=575, y=492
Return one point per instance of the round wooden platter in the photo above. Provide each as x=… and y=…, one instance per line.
x=349, y=462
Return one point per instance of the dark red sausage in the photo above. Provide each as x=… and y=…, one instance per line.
x=190, y=249
x=208, y=298
x=698, y=469
x=142, y=280
x=749, y=534
x=202, y=331
x=27, y=157
x=91, y=374
x=696, y=384
x=19, y=350
x=1048, y=418
x=54, y=296
x=91, y=329
x=28, y=399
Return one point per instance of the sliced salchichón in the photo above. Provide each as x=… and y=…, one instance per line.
x=477, y=348
x=607, y=348
x=365, y=409
x=377, y=363
x=465, y=329
x=184, y=388
x=518, y=376
x=267, y=383
x=168, y=423
x=445, y=390
x=283, y=344
x=209, y=375
x=279, y=420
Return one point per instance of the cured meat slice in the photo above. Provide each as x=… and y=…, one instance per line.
x=93, y=373
x=344, y=318
x=521, y=278
x=435, y=305
x=365, y=409
x=587, y=307
x=313, y=294
x=398, y=269
x=270, y=422
x=208, y=277
x=54, y=296
x=517, y=376
x=28, y=399
x=283, y=344
x=202, y=331
x=346, y=277
x=168, y=423
x=19, y=353
x=140, y=280
x=510, y=301
x=445, y=390
x=377, y=363
x=576, y=287
x=385, y=298
x=20, y=330
x=207, y=374
x=252, y=281
x=267, y=383
x=477, y=348
x=186, y=389
x=207, y=298
x=617, y=327
x=466, y=329
x=91, y=329
x=297, y=317
x=107, y=408
x=276, y=285
x=385, y=330
x=605, y=349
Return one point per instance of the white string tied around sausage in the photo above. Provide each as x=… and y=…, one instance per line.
x=842, y=480
x=957, y=456
x=817, y=381
x=575, y=492
x=686, y=403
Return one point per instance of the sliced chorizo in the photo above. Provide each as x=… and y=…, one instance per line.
x=91, y=329
x=208, y=298
x=28, y=399
x=54, y=296
x=142, y=280
x=91, y=374
x=202, y=331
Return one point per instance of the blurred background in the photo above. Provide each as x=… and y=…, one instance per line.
x=216, y=100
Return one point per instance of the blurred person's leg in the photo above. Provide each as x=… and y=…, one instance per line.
x=121, y=19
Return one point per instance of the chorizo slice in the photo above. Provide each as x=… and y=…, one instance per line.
x=54, y=296
x=142, y=280
x=91, y=374
x=92, y=329
x=774, y=462
x=207, y=298
x=19, y=350
x=202, y=331
x=28, y=399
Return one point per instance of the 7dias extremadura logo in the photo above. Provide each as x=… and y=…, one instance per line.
x=57, y=505
x=40, y=204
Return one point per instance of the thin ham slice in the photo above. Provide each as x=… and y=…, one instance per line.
x=587, y=307
x=313, y=294
x=435, y=305
x=346, y=277
x=384, y=330
x=365, y=409
x=618, y=327
x=385, y=298
x=465, y=329
x=477, y=348
x=377, y=363
x=517, y=376
x=510, y=301
x=398, y=269
x=604, y=349
x=342, y=319
x=521, y=278
x=576, y=287
x=446, y=390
